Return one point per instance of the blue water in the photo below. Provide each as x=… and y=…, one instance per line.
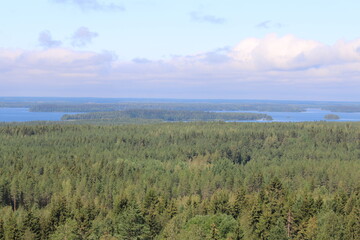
x=23, y=115
x=311, y=114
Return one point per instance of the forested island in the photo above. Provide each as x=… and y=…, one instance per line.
x=200, y=180
x=331, y=117
x=168, y=115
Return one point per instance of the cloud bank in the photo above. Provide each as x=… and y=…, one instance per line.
x=273, y=67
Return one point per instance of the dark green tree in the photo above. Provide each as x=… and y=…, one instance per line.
x=132, y=225
x=32, y=223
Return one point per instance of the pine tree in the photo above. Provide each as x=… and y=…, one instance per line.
x=239, y=233
x=152, y=220
x=32, y=223
x=255, y=215
x=278, y=231
x=220, y=202
x=67, y=231
x=59, y=213
x=132, y=225
x=2, y=233
x=311, y=229
x=264, y=225
x=239, y=204
x=171, y=209
x=352, y=229
x=11, y=230
x=214, y=232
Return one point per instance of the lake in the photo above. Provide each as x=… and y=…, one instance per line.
x=23, y=115
x=312, y=114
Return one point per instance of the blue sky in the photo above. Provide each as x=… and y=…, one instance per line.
x=306, y=50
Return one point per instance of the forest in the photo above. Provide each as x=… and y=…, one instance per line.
x=200, y=180
x=167, y=115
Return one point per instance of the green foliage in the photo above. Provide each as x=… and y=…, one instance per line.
x=352, y=228
x=330, y=226
x=68, y=230
x=208, y=227
x=278, y=231
x=239, y=204
x=198, y=180
x=32, y=225
x=131, y=224
x=2, y=233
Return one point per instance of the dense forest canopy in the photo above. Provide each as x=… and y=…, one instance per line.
x=180, y=181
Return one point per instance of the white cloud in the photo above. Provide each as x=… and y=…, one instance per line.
x=53, y=64
x=289, y=53
x=273, y=52
x=280, y=65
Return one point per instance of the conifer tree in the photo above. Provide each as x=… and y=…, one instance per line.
x=352, y=228
x=32, y=223
x=2, y=233
x=277, y=231
x=239, y=204
x=214, y=232
x=132, y=225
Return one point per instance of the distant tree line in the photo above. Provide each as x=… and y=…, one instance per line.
x=343, y=108
x=101, y=106
x=105, y=107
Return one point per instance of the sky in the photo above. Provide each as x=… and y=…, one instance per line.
x=189, y=49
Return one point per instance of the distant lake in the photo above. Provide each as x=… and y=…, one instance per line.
x=23, y=115
x=312, y=114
